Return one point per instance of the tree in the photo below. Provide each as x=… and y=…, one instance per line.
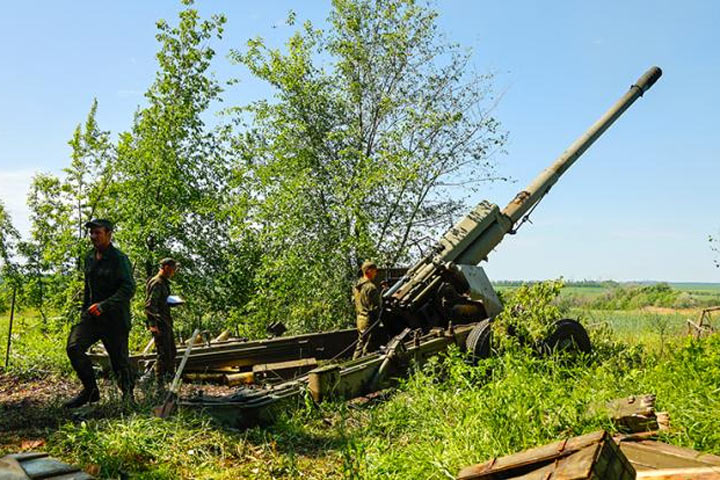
x=9, y=237
x=172, y=175
x=377, y=132
x=59, y=209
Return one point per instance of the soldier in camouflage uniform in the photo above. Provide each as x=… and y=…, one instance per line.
x=159, y=320
x=109, y=286
x=367, y=306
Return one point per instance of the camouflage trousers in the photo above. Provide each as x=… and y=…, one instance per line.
x=166, y=352
x=364, y=337
x=114, y=336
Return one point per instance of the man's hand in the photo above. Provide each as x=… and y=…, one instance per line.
x=154, y=329
x=95, y=310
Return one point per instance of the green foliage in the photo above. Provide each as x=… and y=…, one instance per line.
x=529, y=314
x=172, y=176
x=377, y=134
x=630, y=298
x=165, y=185
x=444, y=416
x=35, y=351
x=59, y=208
x=449, y=415
x=146, y=447
x=9, y=238
x=374, y=122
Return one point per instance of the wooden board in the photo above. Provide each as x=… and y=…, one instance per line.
x=592, y=456
x=695, y=473
x=653, y=455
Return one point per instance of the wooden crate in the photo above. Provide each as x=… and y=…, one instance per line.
x=594, y=456
x=660, y=461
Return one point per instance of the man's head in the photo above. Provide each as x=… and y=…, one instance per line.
x=369, y=270
x=168, y=267
x=100, y=231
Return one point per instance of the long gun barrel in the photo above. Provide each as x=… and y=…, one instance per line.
x=473, y=238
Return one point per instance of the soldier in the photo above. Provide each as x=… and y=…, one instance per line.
x=367, y=306
x=109, y=286
x=159, y=320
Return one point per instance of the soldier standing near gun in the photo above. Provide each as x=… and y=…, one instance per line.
x=109, y=286
x=367, y=306
x=159, y=320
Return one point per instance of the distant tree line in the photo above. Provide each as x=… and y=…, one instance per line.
x=376, y=133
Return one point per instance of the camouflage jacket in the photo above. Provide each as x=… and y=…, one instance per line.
x=367, y=299
x=109, y=283
x=157, y=291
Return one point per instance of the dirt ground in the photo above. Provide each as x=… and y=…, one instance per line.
x=31, y=410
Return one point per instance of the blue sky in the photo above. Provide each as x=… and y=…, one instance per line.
x=638, y=205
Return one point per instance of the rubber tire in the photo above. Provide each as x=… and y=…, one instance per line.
x=568, y=332
x=479, y=342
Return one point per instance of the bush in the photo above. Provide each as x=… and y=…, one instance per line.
x=529, y=314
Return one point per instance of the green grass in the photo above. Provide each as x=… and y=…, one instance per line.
x=696, y=287
x=445, y=416
x=636, y=327
x=451, y=415
x=37, y=350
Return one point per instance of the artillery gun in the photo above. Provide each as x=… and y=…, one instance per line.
x=447, y=287
x=444, y=299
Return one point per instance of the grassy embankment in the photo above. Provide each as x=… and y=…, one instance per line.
x=445, y=416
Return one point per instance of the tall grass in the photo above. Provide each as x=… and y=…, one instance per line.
x=444, y=416
x=451, y=415
x=35, y=351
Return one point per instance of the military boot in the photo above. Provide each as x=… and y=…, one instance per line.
x=127, y=386
x=85, y=396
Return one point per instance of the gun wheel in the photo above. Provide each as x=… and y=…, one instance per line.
x=479, y=342
x=569, y=336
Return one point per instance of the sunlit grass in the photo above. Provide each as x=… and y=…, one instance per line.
x=444, y=416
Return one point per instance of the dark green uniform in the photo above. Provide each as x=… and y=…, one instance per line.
x=367, y=308
x=157, y=310
x=108, y=282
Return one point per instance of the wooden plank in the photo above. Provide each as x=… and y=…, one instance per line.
x=545, y=453
x=651, y=455
x=706, y=458
x=695, y=473
x=593, y=456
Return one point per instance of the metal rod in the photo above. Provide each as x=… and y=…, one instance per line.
x=12, y=315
